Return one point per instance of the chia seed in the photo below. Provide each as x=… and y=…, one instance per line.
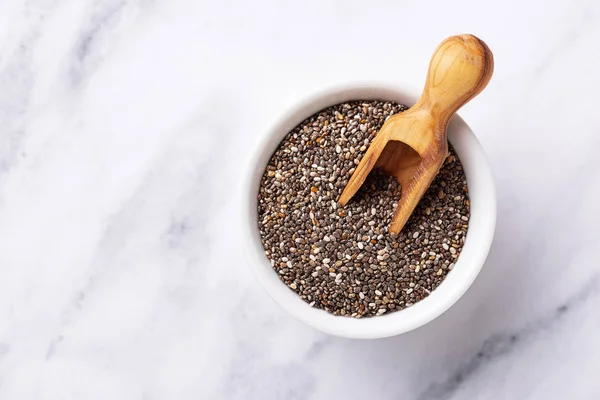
x=343, y=259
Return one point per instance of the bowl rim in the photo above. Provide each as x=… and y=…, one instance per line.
x=477, y=243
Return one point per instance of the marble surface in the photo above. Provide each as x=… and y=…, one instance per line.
x=124, y=129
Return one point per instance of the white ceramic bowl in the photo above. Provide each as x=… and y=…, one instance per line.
x=479, y=236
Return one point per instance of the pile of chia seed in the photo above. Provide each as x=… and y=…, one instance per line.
x=341, y=259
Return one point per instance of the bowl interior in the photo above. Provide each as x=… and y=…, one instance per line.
x=477, y=244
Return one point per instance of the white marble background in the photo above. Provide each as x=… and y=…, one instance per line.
x=124, y=128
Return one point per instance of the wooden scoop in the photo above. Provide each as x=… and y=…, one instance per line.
x=412, y=145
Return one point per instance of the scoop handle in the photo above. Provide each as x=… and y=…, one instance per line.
x=460, y=69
